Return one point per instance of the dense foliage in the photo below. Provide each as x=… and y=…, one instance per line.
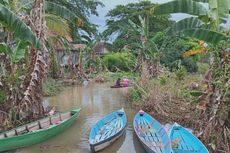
x=124, y=61
x=119, y=28
x=172, y=49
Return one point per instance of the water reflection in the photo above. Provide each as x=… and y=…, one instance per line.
x=96, y=101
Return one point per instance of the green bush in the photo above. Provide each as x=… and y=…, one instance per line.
x=54, y=67
x=122, y=74
x=181, y=73
x=163, y=80
x=135, y=96
x=123, y=61
x=50, y=87
x=203, y=68
x=3, y=97
x=172, y=50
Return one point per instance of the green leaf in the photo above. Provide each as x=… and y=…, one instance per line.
x=18, y=55
x=13, y=23
x=196, y=93
x=203, y=1
x=4, y=48
x=2, y=34
x=57, y=24
x=220, y=10
x=61, y=11
x=186, y=23
x=205, y=35
x=180, y=6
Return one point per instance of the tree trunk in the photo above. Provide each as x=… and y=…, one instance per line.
x=31, y=103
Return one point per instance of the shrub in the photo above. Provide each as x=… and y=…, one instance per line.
x=3, y=97
x=172, y=50
x=203, y=68
x=181, y=73
x=163, y=80
x=123, y=61
x=50, y=87
x=54, y=67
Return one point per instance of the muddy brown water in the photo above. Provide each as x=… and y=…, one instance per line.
x=96, y=101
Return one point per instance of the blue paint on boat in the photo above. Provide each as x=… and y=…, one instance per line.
x=151, y=134
x=107, y=130
x=186, y=142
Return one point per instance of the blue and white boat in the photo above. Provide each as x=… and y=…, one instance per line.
x=183, y=141
x=107, y=130
x=151, y=134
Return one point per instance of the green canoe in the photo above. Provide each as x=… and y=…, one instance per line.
x=37, y=131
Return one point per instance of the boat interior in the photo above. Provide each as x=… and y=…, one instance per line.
x=109, y=129
x=38, y=125
x=153, y=137
x=181, y=144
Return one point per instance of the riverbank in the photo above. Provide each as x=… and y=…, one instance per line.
x=173, y=97
x=168, y=98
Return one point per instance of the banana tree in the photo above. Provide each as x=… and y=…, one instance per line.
x=147, y=50
x=206, y=25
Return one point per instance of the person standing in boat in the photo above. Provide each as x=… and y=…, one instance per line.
x=118, y=82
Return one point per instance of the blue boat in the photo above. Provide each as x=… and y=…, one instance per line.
x=151, y=134
x=183, y=141
x=107, y=130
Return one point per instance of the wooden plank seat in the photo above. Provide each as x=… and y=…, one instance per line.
x=44, y=123
x=65, y=116
x=21, y=130
x=55, y=120
x=10, y=133
x=2, y=135
x=33, y=127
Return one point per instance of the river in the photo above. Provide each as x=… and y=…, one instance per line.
x=96, y=101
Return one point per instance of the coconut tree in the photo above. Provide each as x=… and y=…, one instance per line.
x=206, y=25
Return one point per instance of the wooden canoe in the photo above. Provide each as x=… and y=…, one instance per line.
x=37, y=131
x=151, y=133
x=183, y=141
x=107, y=130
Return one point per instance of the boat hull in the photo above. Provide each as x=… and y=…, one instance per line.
x=102, y=145
x=28, y=139
x=185, y=141
x=151, y=134
x=107, y=130
x=147, y=149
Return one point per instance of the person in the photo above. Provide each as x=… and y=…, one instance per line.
x=118, y=82
x=126, y=82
